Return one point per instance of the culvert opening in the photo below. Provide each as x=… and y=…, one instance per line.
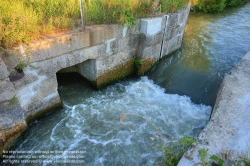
x=71, y=75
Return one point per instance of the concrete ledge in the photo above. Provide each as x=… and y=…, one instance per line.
x=229, y=126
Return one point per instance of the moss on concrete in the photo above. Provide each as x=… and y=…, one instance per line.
x=118, y=73
x=146, y=65
x=9, y=137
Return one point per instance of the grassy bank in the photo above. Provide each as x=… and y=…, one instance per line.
x=23, y=20
x=215, y=6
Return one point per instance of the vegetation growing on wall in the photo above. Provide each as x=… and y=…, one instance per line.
x=214, y=6
x=224, y=158
x=23, y=20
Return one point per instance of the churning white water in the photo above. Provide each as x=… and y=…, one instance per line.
x=90, y=121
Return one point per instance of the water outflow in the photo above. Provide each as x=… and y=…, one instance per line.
x=212, y=46
x=90, y=121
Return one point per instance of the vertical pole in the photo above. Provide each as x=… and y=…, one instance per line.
x=82, y=14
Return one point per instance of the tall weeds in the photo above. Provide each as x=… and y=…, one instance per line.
x=21, y=20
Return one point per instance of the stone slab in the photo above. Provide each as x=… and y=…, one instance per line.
x=151, y=26
x=3, y=69
x=10, y=59
x=88, y=69
x=10, y=115
x=7, y=90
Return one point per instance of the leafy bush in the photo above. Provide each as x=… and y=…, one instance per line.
x=236, y=2
x=172, y=5
x=215, y=6
x=210, y=6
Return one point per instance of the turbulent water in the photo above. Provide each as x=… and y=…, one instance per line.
x=90, y=121
x=117, y=125
x=212, y=45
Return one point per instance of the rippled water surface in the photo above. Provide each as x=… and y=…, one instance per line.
x=212, y=45
x=90, y=120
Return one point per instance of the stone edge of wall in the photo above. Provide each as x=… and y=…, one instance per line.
x=228, y=128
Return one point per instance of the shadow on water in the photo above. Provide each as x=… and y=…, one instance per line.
x=212, y=46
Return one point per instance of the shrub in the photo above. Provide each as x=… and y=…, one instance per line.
x=235, y=2
x=210, y=6
x=215, y=6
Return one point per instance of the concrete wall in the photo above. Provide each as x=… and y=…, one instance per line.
x=227, y=132
x=100, y=53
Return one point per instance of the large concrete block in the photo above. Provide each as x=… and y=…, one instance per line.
x=152, y=52
x=11, y=115
x=182, y=16
x=133, y=41
x=174, y=44
x=172, y=26
x=120, y=31
x=51, y=66
x=12, y=124
x=3, y=70
x=151, y=26
x=89, y=53
x=88, y=69
x=56, y=46
x=118, y=45
x=146, y=41
x=111, y=46
x=102, y=33
x=106, y=64
x=39, y=94
x=7, y=90
x=10, y=59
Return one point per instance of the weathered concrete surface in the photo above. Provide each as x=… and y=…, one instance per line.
x=3, y=70
x=174, y=31
x=229, y=127
x=12, y=123
x=7, y=90
x=160, y=37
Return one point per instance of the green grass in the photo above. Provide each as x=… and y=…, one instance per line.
x=13, y=100
x=25, y=20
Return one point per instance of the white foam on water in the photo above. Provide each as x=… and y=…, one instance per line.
x=93, y=125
